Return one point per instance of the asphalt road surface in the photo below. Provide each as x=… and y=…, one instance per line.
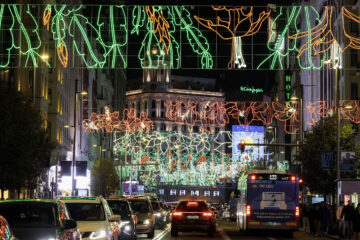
x=228, y=231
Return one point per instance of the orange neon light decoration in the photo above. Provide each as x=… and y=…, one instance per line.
x=354, y=41
x=46, y=16
x=228, y=28
x=63, y=54
x=109, y=121
x=160, y=25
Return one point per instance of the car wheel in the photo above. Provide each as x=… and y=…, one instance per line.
x=174, y=232
x=211, y=231
x=151, y=234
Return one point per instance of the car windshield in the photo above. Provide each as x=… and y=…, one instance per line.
x=156, y=206
x=139, y=206
x=192, y=206
x=120, y=208
x=86, y=211
x=29, y=215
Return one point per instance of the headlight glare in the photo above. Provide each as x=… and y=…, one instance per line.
x=124, y=223
x=158, y=214
x=147, y=221
x=98, y=234
x=127, y=228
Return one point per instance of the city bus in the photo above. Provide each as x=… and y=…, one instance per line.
x=268, y=199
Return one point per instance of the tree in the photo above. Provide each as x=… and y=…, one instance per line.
x=24, y=143
x=324, y=138
x=110, y=179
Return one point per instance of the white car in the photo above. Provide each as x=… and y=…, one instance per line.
x=94, y=217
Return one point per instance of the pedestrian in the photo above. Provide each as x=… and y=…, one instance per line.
x=325, y=214
x=317, y=220
x=349, y=213
x=305, y=218
x=357, y=222
x=341, y=220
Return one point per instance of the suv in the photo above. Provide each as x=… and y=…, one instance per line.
x=39, y=219
x=193, y=216
x=160, y=215
x=94, y=217
x=128, y=219
x=145, y=216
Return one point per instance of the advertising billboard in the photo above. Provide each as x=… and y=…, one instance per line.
x=251, y=135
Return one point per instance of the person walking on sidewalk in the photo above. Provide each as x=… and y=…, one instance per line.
x=357, y=222
x=340, y=220
x=349, y=213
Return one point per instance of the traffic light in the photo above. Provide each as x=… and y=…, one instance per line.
x=242, y=145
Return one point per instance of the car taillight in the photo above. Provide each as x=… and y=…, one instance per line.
x=293, y=178
x=207, y=214
x=253, y=177
x=297, y=212
x=192, y=203
x=248, y=210
x=177, y=213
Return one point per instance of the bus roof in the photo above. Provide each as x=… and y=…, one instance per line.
x=259, y=171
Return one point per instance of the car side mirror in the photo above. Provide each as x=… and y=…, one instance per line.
x=70, y=224
x=115, y=218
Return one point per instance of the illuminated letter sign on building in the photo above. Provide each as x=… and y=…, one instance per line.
x=172, y=192
x=207, y=193
x=216, y=193
x=287, y=92
x=194, y=193
x=182, y=192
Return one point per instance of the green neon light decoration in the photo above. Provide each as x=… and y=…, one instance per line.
x=195, y=38
x=114, y=49
x=7, y=52
x=79, y=27
x=30, y=47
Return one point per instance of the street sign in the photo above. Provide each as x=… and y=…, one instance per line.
x=347, y=161
x=327, y=160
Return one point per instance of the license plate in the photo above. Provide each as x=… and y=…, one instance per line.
x=192, y=217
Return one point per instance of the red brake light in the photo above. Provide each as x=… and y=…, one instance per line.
x=192, y=203
x=293, y=178
x=300, y=181
x=253, y=177
x=177, y=213
x=248, y=210
x=207, y=214
x=297, y=212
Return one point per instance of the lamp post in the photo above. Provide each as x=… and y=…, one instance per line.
x=74, y=137
x=337, y=95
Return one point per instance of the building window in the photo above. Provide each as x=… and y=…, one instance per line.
x=50, y=96
x=354, y=27
x=153, y=104
x=217, y=130
x=162, y=114
x=183, y=128
x=354, y=57
x=354, y=91
x=138, y=106
x=153, y=114
x=145, y=105
x=163, y=127
x=196, y=129
x=174, y=128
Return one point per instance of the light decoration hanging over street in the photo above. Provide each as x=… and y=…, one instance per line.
x=182, y=158
x=228, y=29
x=96, y=36
x=109, y=121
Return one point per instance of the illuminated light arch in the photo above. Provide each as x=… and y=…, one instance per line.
x=109, y=121
x=235, y=17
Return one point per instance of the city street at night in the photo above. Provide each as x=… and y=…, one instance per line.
x=164, y=119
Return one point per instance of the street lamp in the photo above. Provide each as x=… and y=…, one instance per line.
x=74, y=137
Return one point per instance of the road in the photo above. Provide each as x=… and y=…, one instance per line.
x=228, y=231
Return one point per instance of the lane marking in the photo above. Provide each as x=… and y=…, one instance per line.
x=162, y=234
x=223, y=234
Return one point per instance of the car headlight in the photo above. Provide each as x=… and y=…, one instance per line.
x=98, y=234
x=147, y=221
x=158, y=214
x=124, y=223
x=127, y=228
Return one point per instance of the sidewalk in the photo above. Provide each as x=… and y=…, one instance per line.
x=306, y=235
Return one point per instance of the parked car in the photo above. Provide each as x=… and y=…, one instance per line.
x=192, y=216
x=94, y=217
x=128, y=219
x=39, y=219
x=145, y=216
x=5, y=230
x=160, y=214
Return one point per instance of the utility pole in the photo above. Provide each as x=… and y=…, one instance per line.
x=101, y=167
x=73, y=185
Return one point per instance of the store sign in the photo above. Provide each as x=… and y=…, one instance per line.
x=287, y=93
x=251, y=89
x=347, y=161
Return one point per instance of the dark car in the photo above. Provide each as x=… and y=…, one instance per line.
x=39, y=219
x=128, y=219
x=145, y=216
x=160, y=215
x=190, y=216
